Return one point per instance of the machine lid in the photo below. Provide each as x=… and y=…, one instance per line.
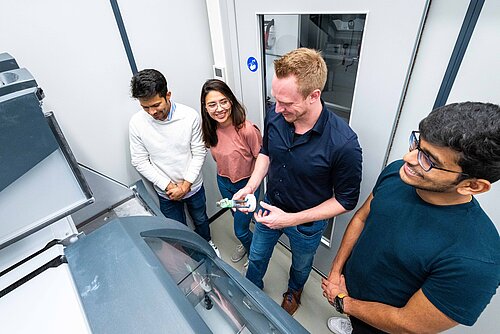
x=150, y=274
x=39, y=178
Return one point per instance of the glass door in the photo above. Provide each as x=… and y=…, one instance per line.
x=339, y=38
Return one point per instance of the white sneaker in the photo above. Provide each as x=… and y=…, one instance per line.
x=239, y=253
x=339, y=325
x=211, y=243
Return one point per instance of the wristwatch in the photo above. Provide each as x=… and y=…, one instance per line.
x=338, y=302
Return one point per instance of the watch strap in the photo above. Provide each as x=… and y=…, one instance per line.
x=339, y=302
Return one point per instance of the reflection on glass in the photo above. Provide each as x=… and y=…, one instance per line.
x=337, y=36
x=220, y=302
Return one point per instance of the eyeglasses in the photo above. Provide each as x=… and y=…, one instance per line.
x=423, y=158
x=212, y=106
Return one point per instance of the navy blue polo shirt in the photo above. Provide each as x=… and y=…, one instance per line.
x=307, y=170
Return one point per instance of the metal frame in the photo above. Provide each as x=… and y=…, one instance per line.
x=468, y=25
x=124, y=36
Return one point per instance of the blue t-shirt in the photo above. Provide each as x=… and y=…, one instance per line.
x=451, y=252
x=307, y=170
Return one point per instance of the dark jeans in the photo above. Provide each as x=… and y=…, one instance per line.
x=196, y=206
x=241, y=221
x=304, y=241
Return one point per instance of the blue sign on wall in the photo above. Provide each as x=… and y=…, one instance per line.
x=252, y=64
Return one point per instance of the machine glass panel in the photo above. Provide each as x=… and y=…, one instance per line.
x=219, y=300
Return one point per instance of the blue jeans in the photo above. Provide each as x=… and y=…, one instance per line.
x=241, y=221
x=196, y=206
x=304, y=241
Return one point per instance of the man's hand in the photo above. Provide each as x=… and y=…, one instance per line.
x=273, y=217
x=240, y=195
x=331, y=288
x=179, y=191
x=170, y=186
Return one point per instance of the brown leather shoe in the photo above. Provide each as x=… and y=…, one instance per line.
x=291, y=301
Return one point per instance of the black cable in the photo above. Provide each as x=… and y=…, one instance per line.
x=54, y=263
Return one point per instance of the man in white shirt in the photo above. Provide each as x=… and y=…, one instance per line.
x=166, y=147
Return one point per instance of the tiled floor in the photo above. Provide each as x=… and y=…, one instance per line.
x=314, y=310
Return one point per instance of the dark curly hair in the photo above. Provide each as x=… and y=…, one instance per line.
x=473, y=130
x=209, y=125
x=147, y=84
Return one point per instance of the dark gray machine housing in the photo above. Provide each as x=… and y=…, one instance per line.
x=125, y=287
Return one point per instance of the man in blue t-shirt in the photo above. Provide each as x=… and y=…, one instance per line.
x=421, y=255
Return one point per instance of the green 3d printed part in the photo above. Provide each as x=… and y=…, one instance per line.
x=249, y=203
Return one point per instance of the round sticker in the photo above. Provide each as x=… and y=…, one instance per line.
x=252, y=64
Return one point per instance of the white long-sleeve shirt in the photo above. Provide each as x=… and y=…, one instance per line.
x=170, y=150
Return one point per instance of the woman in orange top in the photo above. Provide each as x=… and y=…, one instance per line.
x=235, y=144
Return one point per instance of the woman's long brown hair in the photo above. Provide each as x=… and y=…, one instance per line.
x=209, y=125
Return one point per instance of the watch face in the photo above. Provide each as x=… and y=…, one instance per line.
x=338, y=303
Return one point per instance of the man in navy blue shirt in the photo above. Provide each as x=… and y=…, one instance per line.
x=313, y=162
x=421, y=256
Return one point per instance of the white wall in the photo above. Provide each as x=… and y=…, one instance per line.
x=174, y=38
x=477, y=80
x=75, y=52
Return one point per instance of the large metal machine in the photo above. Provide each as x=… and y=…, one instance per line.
x=126, y=268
